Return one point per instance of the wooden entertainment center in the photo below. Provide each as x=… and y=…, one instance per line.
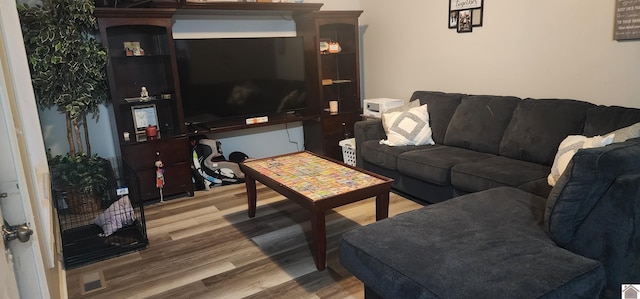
x=150, y=62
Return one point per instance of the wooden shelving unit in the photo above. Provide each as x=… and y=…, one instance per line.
x=331, y=76
x=157, y=71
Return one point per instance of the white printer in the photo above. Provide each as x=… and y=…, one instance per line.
x=375, y=107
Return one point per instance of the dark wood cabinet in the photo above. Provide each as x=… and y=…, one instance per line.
x=141, y=156
x=332, y=75
x=141, y=54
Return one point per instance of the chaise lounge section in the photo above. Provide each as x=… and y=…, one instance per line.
x=583, y=241
x=497, y=228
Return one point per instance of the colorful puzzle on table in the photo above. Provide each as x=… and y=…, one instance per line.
x=312, y=176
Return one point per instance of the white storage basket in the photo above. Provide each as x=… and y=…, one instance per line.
x=348, y=151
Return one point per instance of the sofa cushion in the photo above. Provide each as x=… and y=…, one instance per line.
x=383, y=155
x=441, y=108
x=434, y=165
x=479, y=123
x=489, y=243
x=602, y=120
x=495, y=172
x=538, y=187
x=538, y=127
x=407, y=127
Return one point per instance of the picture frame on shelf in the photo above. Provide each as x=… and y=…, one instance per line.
x=324, y=45
x=144, y=116
x=133, y=49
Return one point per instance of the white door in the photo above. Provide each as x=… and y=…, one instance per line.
x=7, y=277
x=12, y=206
x=24, y=258
x=27, y=267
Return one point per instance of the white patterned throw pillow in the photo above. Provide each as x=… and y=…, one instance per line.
x=568, y=147
x=408, y=127
x=118, y=215
x=626, y=133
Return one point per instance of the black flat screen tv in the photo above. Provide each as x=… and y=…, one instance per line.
x=230, y=79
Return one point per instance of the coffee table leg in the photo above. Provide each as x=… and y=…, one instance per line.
x=318, y=230
x=250, y=184
x=382, y=206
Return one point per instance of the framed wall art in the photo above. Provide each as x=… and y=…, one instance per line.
x=627, y=20
x=465, y=23
x=465, y=14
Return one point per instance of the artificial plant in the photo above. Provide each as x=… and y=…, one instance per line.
x=67, y=63
x=88, y=175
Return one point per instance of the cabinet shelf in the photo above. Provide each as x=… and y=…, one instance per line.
x=152, y=56
x=329, y=82
x=152, y=100
x=248, y=8
x=337, y=54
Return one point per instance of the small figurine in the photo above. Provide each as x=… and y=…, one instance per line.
x=160, y=177
x=144, y=94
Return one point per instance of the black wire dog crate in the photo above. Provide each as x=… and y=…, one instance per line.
x=96, y=228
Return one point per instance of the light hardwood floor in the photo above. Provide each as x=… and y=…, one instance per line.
x=207, y=247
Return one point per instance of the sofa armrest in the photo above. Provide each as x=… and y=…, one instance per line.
x=594, y=210
x=370, y=129
x=610, y=233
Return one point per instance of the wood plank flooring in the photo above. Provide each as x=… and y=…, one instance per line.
x=207, y=247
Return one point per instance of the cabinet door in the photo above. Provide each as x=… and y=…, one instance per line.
x=143, y=155
x=340, y=70
x=177, y=179
x=174, y=154
x=336, y=128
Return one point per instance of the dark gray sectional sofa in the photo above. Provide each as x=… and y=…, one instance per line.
x=484, y=142
x=507, y=233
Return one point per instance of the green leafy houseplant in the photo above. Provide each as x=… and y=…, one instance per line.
x=68, y=72
x=67, y=63
x=83, y=172
x=85, y=180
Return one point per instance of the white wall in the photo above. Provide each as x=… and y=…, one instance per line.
x=543, y=48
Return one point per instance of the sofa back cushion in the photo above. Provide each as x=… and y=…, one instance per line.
x=602, y=120
x=479, y=122
x=539, y=125
x=441, y=107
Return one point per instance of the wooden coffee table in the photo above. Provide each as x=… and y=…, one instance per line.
x=318, y=184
